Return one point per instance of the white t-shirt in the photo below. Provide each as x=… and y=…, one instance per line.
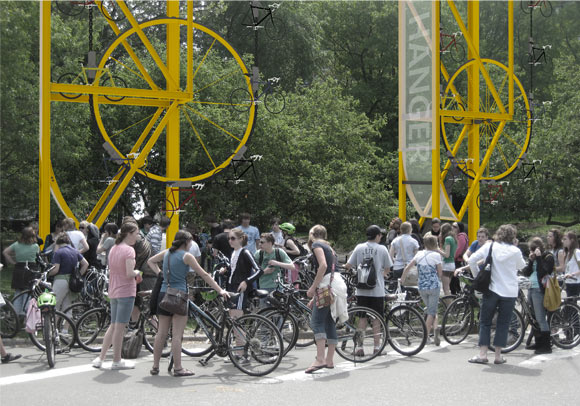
x=572, y=267
x=194, y=250
x=405, y=247
x=381, y=260
x=507, y=260
x=76, y=237
x=278, y=237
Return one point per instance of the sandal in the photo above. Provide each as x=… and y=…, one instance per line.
x=183, y=372
x=314, y=368
x=500, y=361
x=476, y=360
x=154, y=371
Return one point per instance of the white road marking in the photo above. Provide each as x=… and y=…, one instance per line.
x=54, y=373
x=540, y=359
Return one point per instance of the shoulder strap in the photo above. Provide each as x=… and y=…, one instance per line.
x=168, y=268
x=261, y=258
x=278, y=257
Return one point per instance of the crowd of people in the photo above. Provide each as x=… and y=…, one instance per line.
x=135, y=255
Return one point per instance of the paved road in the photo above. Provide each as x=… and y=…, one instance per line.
x=438, y=375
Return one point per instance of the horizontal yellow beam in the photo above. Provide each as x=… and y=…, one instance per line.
x=119, y=91
x=475, y=114
x=127, y=101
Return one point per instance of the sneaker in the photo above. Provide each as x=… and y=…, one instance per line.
x=377, y=349
x=123, y=364
x=9, y=358
x=97, y=362
x=429, y=341
x=359, y=353
x=436, y=338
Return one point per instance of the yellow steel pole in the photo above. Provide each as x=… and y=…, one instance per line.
x=44, y=165
x=473, y=103
x=402, y=84
x=172, y=141
x=436, y=128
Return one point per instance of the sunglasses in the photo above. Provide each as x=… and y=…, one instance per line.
x=81, y=228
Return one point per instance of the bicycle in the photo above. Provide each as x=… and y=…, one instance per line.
x=453, y=47
x=9, y=320
x=241, y=100
x=460, y=319
x=536, y=56
x=565, y=322
x=85, y=77
x=109, y=9
x=540, y=112
x=274, y=27
x=252, y=343
x=528, y=6
x=171, y=205
x=56, y=332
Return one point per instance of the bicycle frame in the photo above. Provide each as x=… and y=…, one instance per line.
x=453, y=40
x=269, y=12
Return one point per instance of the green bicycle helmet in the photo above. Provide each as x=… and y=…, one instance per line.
x=287, y=227
x=46, y=299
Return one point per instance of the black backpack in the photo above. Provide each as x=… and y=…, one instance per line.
x=301, y=248
x=261, y=257
x=366, y=274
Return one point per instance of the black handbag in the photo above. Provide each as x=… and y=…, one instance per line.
x=483, y=278
x=154, y=298
x=175, y=300
x=76, y=282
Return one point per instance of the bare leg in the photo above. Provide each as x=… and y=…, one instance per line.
x=160, y=337
x=178, y=323
x=107, y=341
x=483, y=352
x=330, y=354
x=118, y=333
x=446, y=280
x=498, y=353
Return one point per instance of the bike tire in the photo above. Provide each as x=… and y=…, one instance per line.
x=254, y=345
x=286, y=324
x=196, y=341
x=457, y=321
x=565, y=326
x=117, y=82
x=525, y=6
x=358, y=341
x=274, y=101
x=71, y=78
x=150, y=327
x=546, y=8
x=9, y=322
x=457, y=52
x=76, y=310
x=305, y=333
x=91, y=329
x=113, y=11
x=69, y=8
x=516, y=333
x=275, y=28
x=407, y=331
x=48, y=334
x=65, y=330
x=241, y=100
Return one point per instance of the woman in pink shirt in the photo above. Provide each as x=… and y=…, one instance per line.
x=123, y=280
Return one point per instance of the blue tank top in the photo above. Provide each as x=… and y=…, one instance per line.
x=178, y=272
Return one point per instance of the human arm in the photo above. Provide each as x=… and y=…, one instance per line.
x=190, y=260
x=467, y=254
x=561, y=260
x=477, y=256
x=322, y=266
x=84, y=266
x=85, y=246
x=290, y=247
x=446, y=252
x=155, y=260
x=9, y=254
x=256, y=272
x=130, y=270
x=439, y=271
x=101, y=247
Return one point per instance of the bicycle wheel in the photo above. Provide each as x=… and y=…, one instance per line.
x=71, y=79
x=196, y=342
x=457, y=321
x=305, y=334
x=65, y=331
x=254, y=345
x=363, y=336
x=76, y=310
x=565, y=326
x=9, y=323
x=241, y=100
x=546, y=8
x=286, y=324
x=91, y=329
x=150, y=327
x=457, y=52
x=70, y=8
x=48, y=332
x=407, y=331
x=113, y=81
x=111, y=11
x=516, y=332
x=275, y=28
x=274, y=101
x=526, y=6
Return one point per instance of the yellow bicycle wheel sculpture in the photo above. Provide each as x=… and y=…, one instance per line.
x=514, y=139
x=211, y=131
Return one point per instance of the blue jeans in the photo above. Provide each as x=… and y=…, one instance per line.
x=121, y=309
x=536, y=298
x=322, y=325
x=504, y=306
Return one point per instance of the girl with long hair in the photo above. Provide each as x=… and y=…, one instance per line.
x=572, y=263
x=449, y=245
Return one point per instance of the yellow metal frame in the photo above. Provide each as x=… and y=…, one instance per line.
x=471, y=35
x=166, y=100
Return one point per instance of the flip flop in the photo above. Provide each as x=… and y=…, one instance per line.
x=154, y=371
x=329, y=366
x=183, y=372
x=477, y=360
x=502, y=360
x=314, y=368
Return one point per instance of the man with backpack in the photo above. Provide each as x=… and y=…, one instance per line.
x=271, y=260
x=372, y=262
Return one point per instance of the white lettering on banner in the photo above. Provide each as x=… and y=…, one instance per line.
x=422, y=103
x=413, y=20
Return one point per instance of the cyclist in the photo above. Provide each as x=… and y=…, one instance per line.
x=155, y=235
x=123, y=282
x=77, y=238
x=271, y=259
x=482, y=237
x=106, y=243
x=277, y=232
x=177, y=262
x=65, y=260
x=290, y=245
x=449, y=245
x=572, y=261
x=556, y=248
x=252, y=232
x=403, y=249
x=372, y=298
x=22, y=254
x=91, y=233
x=540, y=265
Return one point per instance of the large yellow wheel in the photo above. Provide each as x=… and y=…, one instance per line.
x=211, y=130
x=513, y=140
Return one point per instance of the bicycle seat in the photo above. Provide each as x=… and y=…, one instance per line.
x=259, y=293
x=391, y=297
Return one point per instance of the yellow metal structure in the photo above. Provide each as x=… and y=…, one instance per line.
x=482, y=105
x=167, y=109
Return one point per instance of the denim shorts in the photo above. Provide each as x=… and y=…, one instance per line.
x=431, y=299
x=121, y=309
